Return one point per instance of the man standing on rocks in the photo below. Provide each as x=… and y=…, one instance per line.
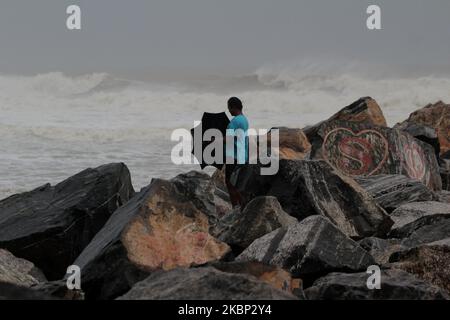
x=237, y=152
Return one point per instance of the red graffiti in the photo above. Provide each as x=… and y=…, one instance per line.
x=355, y=154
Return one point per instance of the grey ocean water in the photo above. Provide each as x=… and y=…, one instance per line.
x=54, y=125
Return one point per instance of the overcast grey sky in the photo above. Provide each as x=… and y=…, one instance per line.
x=125, y=36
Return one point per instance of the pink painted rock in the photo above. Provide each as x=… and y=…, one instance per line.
x=363, y=150
x=165, y=226
x=170, y=232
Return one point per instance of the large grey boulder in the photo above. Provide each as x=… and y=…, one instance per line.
x=444, y=196
x=429, y=233
x=391, y=191
x=381, y=249
x=435, y=116
x=51, y=225
x=262, y=215
x=309, y=248
x=412, y=216
x=395, y=285
x=205, y=283
x=444, y=170
x=306, y=188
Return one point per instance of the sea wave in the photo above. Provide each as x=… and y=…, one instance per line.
x=54, y=124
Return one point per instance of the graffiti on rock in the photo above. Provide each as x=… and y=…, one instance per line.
x=355, y=154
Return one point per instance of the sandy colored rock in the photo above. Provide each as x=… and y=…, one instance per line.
x=436, y=116
x=293, y=143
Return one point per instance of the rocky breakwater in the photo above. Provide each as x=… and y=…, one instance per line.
x=350, y=194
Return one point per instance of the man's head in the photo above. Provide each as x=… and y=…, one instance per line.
x=234, y=106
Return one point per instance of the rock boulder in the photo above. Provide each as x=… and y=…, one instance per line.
x=293, y=144
x=395, y=285
x=381, y=249
x=429, y=262
x=10, y=291
x=306, y=188
x=260, y=216
x=18, y=271
x=412, y=216
x=362, y=150
x=273, y=275
x=364, y=110
x=50, y=226
x=308, y=249
x=436, y=116
x=165, y=226
x=391, y=191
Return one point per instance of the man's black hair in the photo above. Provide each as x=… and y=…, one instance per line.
x=234, y=102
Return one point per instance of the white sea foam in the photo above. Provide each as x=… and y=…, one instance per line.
x=53, y=125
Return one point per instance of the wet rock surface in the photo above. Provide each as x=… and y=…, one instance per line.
x=50, y=226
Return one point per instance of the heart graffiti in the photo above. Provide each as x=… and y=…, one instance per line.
x=414, y=162
x=355, y=154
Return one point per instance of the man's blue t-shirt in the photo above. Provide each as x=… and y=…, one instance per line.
x=238, y=127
